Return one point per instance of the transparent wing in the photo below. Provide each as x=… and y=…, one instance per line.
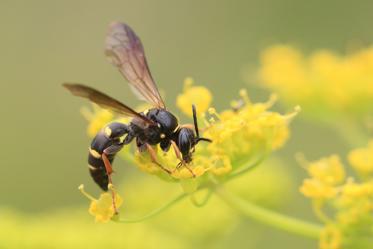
x=104, y=100
x=125, y=51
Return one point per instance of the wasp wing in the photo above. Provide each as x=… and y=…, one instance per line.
x=125, y=51
x=104, y=101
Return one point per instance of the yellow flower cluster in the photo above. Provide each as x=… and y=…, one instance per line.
x=349, y=200
x=239, y=134
x=323, y=83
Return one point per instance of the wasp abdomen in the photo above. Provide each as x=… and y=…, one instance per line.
x=96, y=165
x=107, y=137
x=98, y=172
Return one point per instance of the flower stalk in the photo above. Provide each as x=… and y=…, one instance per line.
x=269, y=217
x=246, y=208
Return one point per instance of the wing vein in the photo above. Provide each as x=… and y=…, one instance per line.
x=125, y=51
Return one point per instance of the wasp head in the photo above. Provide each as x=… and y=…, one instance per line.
x=186, y=142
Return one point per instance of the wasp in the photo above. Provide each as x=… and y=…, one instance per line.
x=156, y=126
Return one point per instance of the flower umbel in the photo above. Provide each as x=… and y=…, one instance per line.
x=238, y=134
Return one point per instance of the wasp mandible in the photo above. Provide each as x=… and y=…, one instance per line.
x=149, y=128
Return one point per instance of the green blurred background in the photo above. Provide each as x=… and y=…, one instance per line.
x=44, y=43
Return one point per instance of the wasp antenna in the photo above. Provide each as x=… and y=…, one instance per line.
x=203, y=139
x=195, y=120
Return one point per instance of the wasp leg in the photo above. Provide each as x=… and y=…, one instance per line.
x=140, y=145
x=165, y=145
x=177, y=151
x=178, y=155
x=113, y=149
x=109, y=171
x=153, y=157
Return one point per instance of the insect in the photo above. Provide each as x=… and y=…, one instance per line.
x=149, y=128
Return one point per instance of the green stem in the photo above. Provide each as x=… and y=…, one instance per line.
x=204, y=200
x=246, y=168
x=269, y=217
x=156, y=211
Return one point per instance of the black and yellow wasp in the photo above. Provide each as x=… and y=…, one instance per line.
x=149, y=128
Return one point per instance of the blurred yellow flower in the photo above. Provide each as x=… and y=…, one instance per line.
x=361, y=159
x=324, y=83
x=198, y=95
x=349, y=203
x=102, y=209
x=97, y=119
x=353, y=190
x=316, y=189
x=328, y=170
x=331, y=238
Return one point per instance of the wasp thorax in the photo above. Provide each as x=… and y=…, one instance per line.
x=166, y=120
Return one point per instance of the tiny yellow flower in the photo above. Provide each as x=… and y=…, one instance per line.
x=355, y=214
x=316, y=189
x=198, y=95
x=361, y=159
x=328, y=170
x=331, y=238
x=355, y=190
x=102, y=208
